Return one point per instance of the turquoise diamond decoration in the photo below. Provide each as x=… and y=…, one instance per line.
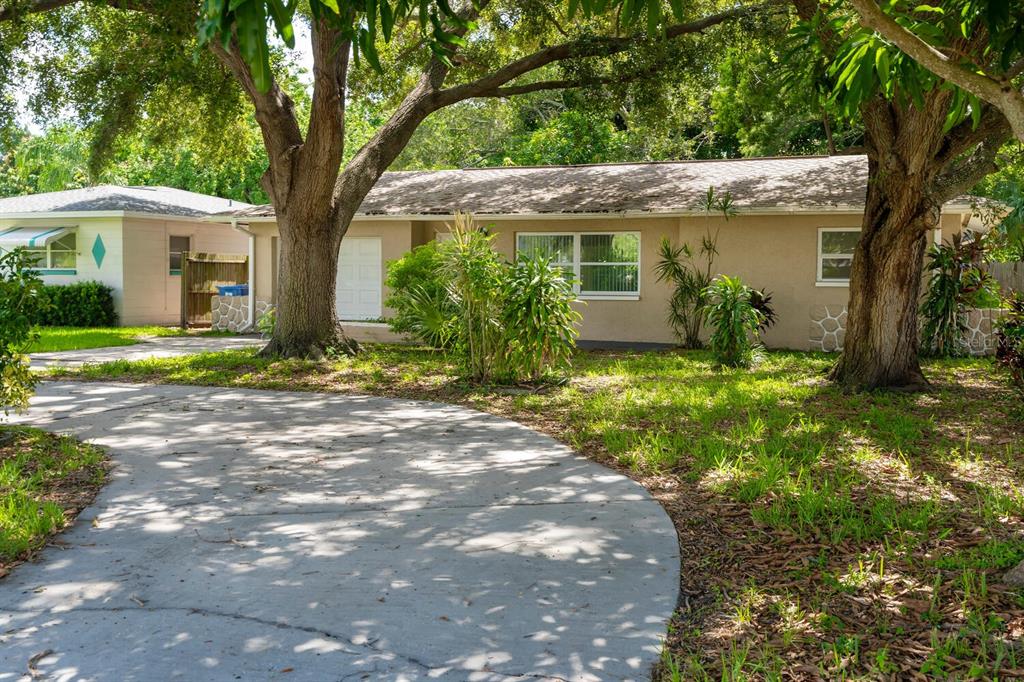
x=98, y=251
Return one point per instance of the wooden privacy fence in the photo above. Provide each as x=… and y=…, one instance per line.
x=201, y=274
x=1009, y=275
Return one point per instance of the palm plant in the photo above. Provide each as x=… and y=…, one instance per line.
x=690, y=279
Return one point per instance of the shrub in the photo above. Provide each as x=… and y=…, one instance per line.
x=505, y=322
x=762, y=301
x=419, y=296
x=21, y=303
x=538, y=318
x=1010, y=339
x=82, y=304
x=474, y=274
x=734, y=321
x=957, y=281
x=265, y=325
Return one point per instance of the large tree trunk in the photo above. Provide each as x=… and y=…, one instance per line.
x=881, y=345
x=915, y=165
x=307, y=322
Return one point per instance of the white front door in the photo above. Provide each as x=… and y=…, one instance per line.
x=358, y=289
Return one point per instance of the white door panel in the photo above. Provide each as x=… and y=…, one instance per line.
x=358, y=290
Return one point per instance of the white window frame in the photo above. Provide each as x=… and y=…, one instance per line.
x=577, y=240
x=820, y=280
x=48, y=267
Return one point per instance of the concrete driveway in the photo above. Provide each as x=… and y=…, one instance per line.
x=157, y=347
x=296, y=536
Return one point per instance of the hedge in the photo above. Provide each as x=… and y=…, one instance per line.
x=82, y=304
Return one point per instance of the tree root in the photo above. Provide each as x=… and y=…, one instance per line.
x=336, y=344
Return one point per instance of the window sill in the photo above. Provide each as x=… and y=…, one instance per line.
x=57, y=271
x=175, y=272
x=844, y=283
x=600, y=297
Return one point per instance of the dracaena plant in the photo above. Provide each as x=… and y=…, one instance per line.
x=734, y=322
x=539, y=320
x=957, y=281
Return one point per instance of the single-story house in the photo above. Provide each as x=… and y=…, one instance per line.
x=793, y=232
x=129, y=238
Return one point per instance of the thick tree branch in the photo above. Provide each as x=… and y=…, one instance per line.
x=999, y=92
x=489, y=85
x=12, y=10
x=325, y=139
x=275, y=114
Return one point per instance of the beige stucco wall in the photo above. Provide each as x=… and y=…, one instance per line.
x=776, y=252
x=152, y=295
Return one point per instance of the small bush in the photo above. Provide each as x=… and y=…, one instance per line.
x=21, y=303
x=419, y=297
x=82, y=304
x=538, y=318
x=761, y=299
x=504, y=322
x=734, y=321
x=1010, y=339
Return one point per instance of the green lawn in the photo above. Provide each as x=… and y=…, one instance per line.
x=822, y=534
x=45, y=480
x=77, y=338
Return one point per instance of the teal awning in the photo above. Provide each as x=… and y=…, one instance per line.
x=31, y=237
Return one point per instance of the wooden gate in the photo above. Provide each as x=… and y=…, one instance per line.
x=201, y=274
x=1009, y=275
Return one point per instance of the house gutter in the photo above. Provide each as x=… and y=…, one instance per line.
x=250, y=321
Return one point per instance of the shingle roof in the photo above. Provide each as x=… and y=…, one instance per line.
x=153, y=200
x=804, y=183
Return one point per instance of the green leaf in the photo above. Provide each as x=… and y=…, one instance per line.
x=387, y=20
x=882, y=67
x=282, y=17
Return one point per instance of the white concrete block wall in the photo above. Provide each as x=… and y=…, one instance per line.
x=109, y=271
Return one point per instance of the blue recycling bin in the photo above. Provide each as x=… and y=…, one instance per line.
x=234, y=290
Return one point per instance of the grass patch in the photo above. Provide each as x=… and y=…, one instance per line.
x=52, y=339
x=822, y=534
x=45, y=480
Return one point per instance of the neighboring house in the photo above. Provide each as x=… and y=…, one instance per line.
x=796, y=223
x=130, y=238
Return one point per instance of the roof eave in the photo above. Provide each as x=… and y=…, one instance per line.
x=70, y=215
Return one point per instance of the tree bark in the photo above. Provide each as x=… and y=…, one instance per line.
x=306, y=321
x=881, y=345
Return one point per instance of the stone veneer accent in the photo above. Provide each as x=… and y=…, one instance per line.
x=231, y=313
x=828, y=329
